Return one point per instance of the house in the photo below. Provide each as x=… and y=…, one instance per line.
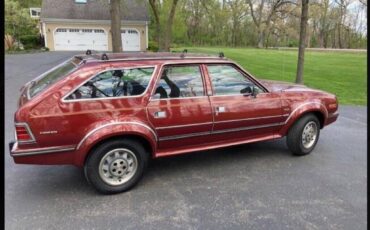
x=85, y=24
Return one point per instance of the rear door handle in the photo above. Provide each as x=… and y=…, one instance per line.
x=160, y=114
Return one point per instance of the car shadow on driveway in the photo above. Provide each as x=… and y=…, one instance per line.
x=63, y=180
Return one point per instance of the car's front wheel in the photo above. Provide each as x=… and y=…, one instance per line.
x=116, y=166
x=303, y=135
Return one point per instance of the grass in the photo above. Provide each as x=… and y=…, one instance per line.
x=341, y=73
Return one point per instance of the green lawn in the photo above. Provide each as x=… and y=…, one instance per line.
x=341, y=73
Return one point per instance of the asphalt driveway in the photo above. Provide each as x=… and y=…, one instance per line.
x=253, y=186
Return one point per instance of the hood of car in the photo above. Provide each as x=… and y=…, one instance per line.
x=276, y=86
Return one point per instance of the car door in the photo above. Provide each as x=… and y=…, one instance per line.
x=179, y=109
x=240, y=115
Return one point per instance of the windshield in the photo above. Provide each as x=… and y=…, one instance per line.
x=51, y=77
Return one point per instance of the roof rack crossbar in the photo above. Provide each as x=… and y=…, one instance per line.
x=104, y=56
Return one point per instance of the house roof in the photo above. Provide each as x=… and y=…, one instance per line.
x=132, y=10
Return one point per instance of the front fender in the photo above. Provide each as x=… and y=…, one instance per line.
x=298, y=110
x=111, y=129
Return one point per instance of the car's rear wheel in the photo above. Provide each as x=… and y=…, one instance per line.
x=303, y=135
x=116, y=166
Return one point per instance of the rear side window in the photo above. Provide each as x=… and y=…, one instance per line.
x=115, y=83
x=51, y=77
x=180, y=81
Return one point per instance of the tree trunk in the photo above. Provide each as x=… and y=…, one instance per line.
x=339, y=37
x=157, y=22
x=302, y=39
x=261, y=39
x=115, y=14
x=168, y=32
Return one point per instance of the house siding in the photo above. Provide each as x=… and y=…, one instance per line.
x=50, y=27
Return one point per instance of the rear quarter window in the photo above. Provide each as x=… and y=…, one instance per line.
x=51, y=76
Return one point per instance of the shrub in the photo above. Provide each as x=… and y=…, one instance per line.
x=153, y=46
x=293, y=43
x=30, y=41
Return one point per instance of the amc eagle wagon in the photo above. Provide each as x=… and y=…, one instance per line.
x=111, y=113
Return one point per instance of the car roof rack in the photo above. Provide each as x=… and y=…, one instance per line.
x=93, y=55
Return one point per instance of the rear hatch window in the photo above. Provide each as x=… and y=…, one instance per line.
x=50, y=77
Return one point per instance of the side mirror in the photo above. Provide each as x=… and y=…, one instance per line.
x=254, y=91
x=250, y=91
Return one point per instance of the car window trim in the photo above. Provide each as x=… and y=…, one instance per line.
x=155, y=67
x=242, y=72
x=159, y=76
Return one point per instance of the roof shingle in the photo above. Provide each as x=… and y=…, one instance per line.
x=132, y=10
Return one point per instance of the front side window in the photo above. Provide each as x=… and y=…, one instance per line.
x=115, y=83
x=180, y=81
x=227, y=80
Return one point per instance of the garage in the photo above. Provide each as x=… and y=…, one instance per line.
x=80, y=39
x=130, y=39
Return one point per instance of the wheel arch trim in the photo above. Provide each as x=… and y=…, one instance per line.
x=115, y=123
x=308, y=107
x=321, y=109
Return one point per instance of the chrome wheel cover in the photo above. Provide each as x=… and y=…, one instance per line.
x=309, y=134
x=118, y=166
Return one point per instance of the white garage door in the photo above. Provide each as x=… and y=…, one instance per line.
x=130, y=40
x=80, y=39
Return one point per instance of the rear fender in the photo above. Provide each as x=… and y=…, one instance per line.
x=301, y=109
x=112, y=129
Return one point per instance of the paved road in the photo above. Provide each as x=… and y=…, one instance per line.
x=254, y=186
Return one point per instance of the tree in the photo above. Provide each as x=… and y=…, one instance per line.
x=343, y=4
x=168, y=29
x=29, y=3
x=155, y=6
x=302, y=41
x=115, y=13
x=363, y=2
x=263, y=14
x=18, y=21
x=159, y=9
x=238, y=12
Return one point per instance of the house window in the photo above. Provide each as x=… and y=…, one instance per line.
x=35, y=12
x=99, y=31
x=86, y=31
x=80, y=1
x=61, y=30
x=74, y=30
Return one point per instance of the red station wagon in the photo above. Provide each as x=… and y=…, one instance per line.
x=112, y=113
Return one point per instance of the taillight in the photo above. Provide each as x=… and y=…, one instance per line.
x=23, y=133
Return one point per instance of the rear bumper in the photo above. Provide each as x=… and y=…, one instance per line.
x=331, y=118
x=11, y=145
x=45, y=156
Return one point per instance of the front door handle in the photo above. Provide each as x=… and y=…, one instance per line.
x=220, y=109
x=160, y=114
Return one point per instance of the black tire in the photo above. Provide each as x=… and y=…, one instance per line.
x=294, y=137
x=91, y=167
